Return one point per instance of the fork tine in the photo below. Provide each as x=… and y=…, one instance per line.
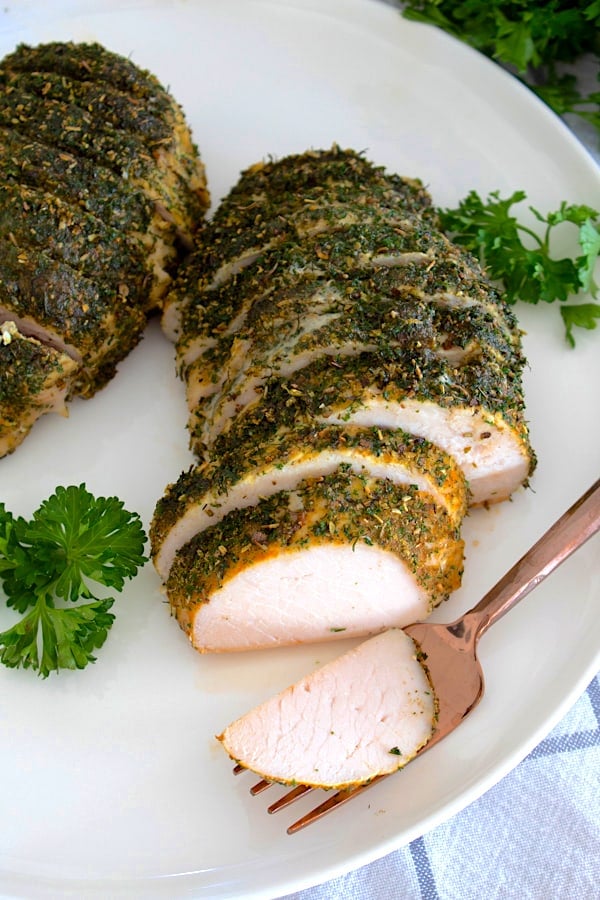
x=330, y=804
x=289, y=798
x=300, y=790
x=260, y=786
x=257, y=788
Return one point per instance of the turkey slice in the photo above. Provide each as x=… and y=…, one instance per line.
x=366, y=713
x=279, y=460
x=298, y=195
x=344, y=555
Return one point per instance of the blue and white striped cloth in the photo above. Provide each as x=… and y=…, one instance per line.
x=534, y=836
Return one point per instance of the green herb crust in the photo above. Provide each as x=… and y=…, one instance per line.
x=339, y=386
x=93, y=320
x=123, y=116
x=289, y=329
x=297, y=195
x=273, y=451
x=81, y=184
x=69, y=234
x=318, y=173
x=91, y=62
x=69, y=128
x=101, y=191
x=81, y=98
x=35, y=379
x=340, y=508
x=415, y=261
x=122, y=111
x=74, y=180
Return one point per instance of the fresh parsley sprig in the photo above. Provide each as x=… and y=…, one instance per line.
x=73, y=543
x=521, y=258
x=532, y=39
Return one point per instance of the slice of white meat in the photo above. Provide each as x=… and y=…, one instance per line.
x=288, y=335
x=366, y=713
x=494, y=454
x=280, y=460
x=344, y=555
x=474, y=411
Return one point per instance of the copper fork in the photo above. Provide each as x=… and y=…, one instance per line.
x=450, y=651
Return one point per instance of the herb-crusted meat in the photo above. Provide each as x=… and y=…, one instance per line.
x=35, y=380
x=101, y=192
x=92, y=321
x=297, y=196
x=279, y=457
x=354, y=382
x=343, y=555
x=38, y=219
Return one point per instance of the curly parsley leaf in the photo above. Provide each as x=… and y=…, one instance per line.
x=73, y=542
x=78, y=538
x=522, y=259
x=533, y=39
x=49, y=639
x=19, y=577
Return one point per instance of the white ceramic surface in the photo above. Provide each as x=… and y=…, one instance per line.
x=112, y=784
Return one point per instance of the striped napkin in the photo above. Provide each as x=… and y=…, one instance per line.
x=534, y=836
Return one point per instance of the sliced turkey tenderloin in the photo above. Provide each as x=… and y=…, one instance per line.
x=278, y=459
x=369, y=239
x=284, y=334
x=339, y=556
x=101, y=186
x=91, y=321
x=298, y=195
x=366, y=713
x=31, y=218
x=473, y=411
x=167, y=170
x=79, y=183
x=251, y=319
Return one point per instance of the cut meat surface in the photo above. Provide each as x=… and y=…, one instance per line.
x=493, y=453
x=204, y=495
x=474, y=412
x=342, y=555
x=35, y=381
x=281, y=601
x=364, y=714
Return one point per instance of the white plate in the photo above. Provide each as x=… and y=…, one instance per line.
x=112, y=782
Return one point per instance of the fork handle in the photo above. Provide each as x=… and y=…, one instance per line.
x=571, y=531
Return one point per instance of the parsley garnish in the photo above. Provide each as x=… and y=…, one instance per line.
x=73, y=542
x=535, y=40
x=528, y=270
